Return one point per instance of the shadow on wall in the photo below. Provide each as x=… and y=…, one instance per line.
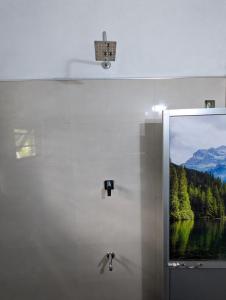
x=151, y=210
x=73, y=63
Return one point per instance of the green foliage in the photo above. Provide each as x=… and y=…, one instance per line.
x=219, y=203
x=186, y=212
x=195, y=194
x=211, y=206
x=174, y=200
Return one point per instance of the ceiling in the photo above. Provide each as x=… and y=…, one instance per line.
x=155, y=38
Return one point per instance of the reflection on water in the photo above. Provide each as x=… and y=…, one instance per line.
x=199, y=239
x=180, y=232
x=25, y=143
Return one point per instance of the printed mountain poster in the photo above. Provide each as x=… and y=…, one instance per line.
x=198, y=187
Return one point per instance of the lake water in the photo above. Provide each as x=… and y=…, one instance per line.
x=198, y=239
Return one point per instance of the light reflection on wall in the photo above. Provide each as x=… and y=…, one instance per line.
x=25, y=143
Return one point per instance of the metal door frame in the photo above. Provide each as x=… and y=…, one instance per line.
x=167, y=114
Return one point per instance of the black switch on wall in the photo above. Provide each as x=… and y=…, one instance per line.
x=109, y=186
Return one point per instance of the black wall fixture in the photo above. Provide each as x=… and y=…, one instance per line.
x=109, y=186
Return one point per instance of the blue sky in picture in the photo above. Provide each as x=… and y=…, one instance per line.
x=191, y=133
x=199, y=143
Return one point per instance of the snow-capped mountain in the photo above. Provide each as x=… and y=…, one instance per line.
x=212, y=160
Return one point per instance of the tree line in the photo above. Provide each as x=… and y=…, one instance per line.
x=195, y=194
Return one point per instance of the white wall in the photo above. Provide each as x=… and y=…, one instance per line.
x=156, y=38
x=56, y=223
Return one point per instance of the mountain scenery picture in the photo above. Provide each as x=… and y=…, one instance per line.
x=198, y=187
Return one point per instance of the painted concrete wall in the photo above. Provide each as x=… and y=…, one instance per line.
x=156, y=38
x=56, y=222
